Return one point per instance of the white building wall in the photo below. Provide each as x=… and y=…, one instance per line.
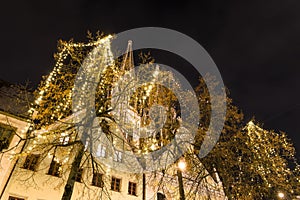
x=39, y=185
x=7, y=161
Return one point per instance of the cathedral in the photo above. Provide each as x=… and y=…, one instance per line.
x=49, y=152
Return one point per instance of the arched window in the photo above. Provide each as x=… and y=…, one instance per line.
x=161, y=196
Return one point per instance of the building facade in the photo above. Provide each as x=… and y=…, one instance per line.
x=56, y=160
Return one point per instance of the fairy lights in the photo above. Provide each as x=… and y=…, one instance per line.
x=263, y=162
x=66, y=52
x=54, y=101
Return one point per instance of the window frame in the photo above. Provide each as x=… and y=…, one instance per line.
x=132, y=188
x=97, y=180
x=33, y=160
x=129, y=138
x=15, y=198
x=161, y=196
x=64, y=140
x=4, y=128
x=114, y=185
x=55, y=169
x=101, y=151
x=78, y=177
x=118, y=156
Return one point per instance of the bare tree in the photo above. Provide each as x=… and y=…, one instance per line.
x=248, y=161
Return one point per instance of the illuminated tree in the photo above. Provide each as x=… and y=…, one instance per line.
x=252, y=163
x=54, y=134
x=54, y=129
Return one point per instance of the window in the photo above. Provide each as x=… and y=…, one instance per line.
x=78, y=176
x=161, y=196
x=6, y=135
x=142, y=142
x=129, y=138
x=31, y=162
x=55, y=168
x=64, y=140
x=115, y=184
x=15, y=198
x=101, y=151
x=86, y=144
x=118, y=156
x=132, y=188
x=97, y=179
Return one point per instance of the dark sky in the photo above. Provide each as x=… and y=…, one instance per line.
x=255, y=44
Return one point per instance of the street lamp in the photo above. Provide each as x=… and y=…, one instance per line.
x=280, y=195
x=181, y=167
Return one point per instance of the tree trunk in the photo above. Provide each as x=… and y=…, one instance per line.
x=181, y=189
x=71, y=179
x=144, y=186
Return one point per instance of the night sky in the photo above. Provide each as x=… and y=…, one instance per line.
x=255, y=44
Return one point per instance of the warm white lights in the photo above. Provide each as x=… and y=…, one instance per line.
x=281, y=195
x=182, y=165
